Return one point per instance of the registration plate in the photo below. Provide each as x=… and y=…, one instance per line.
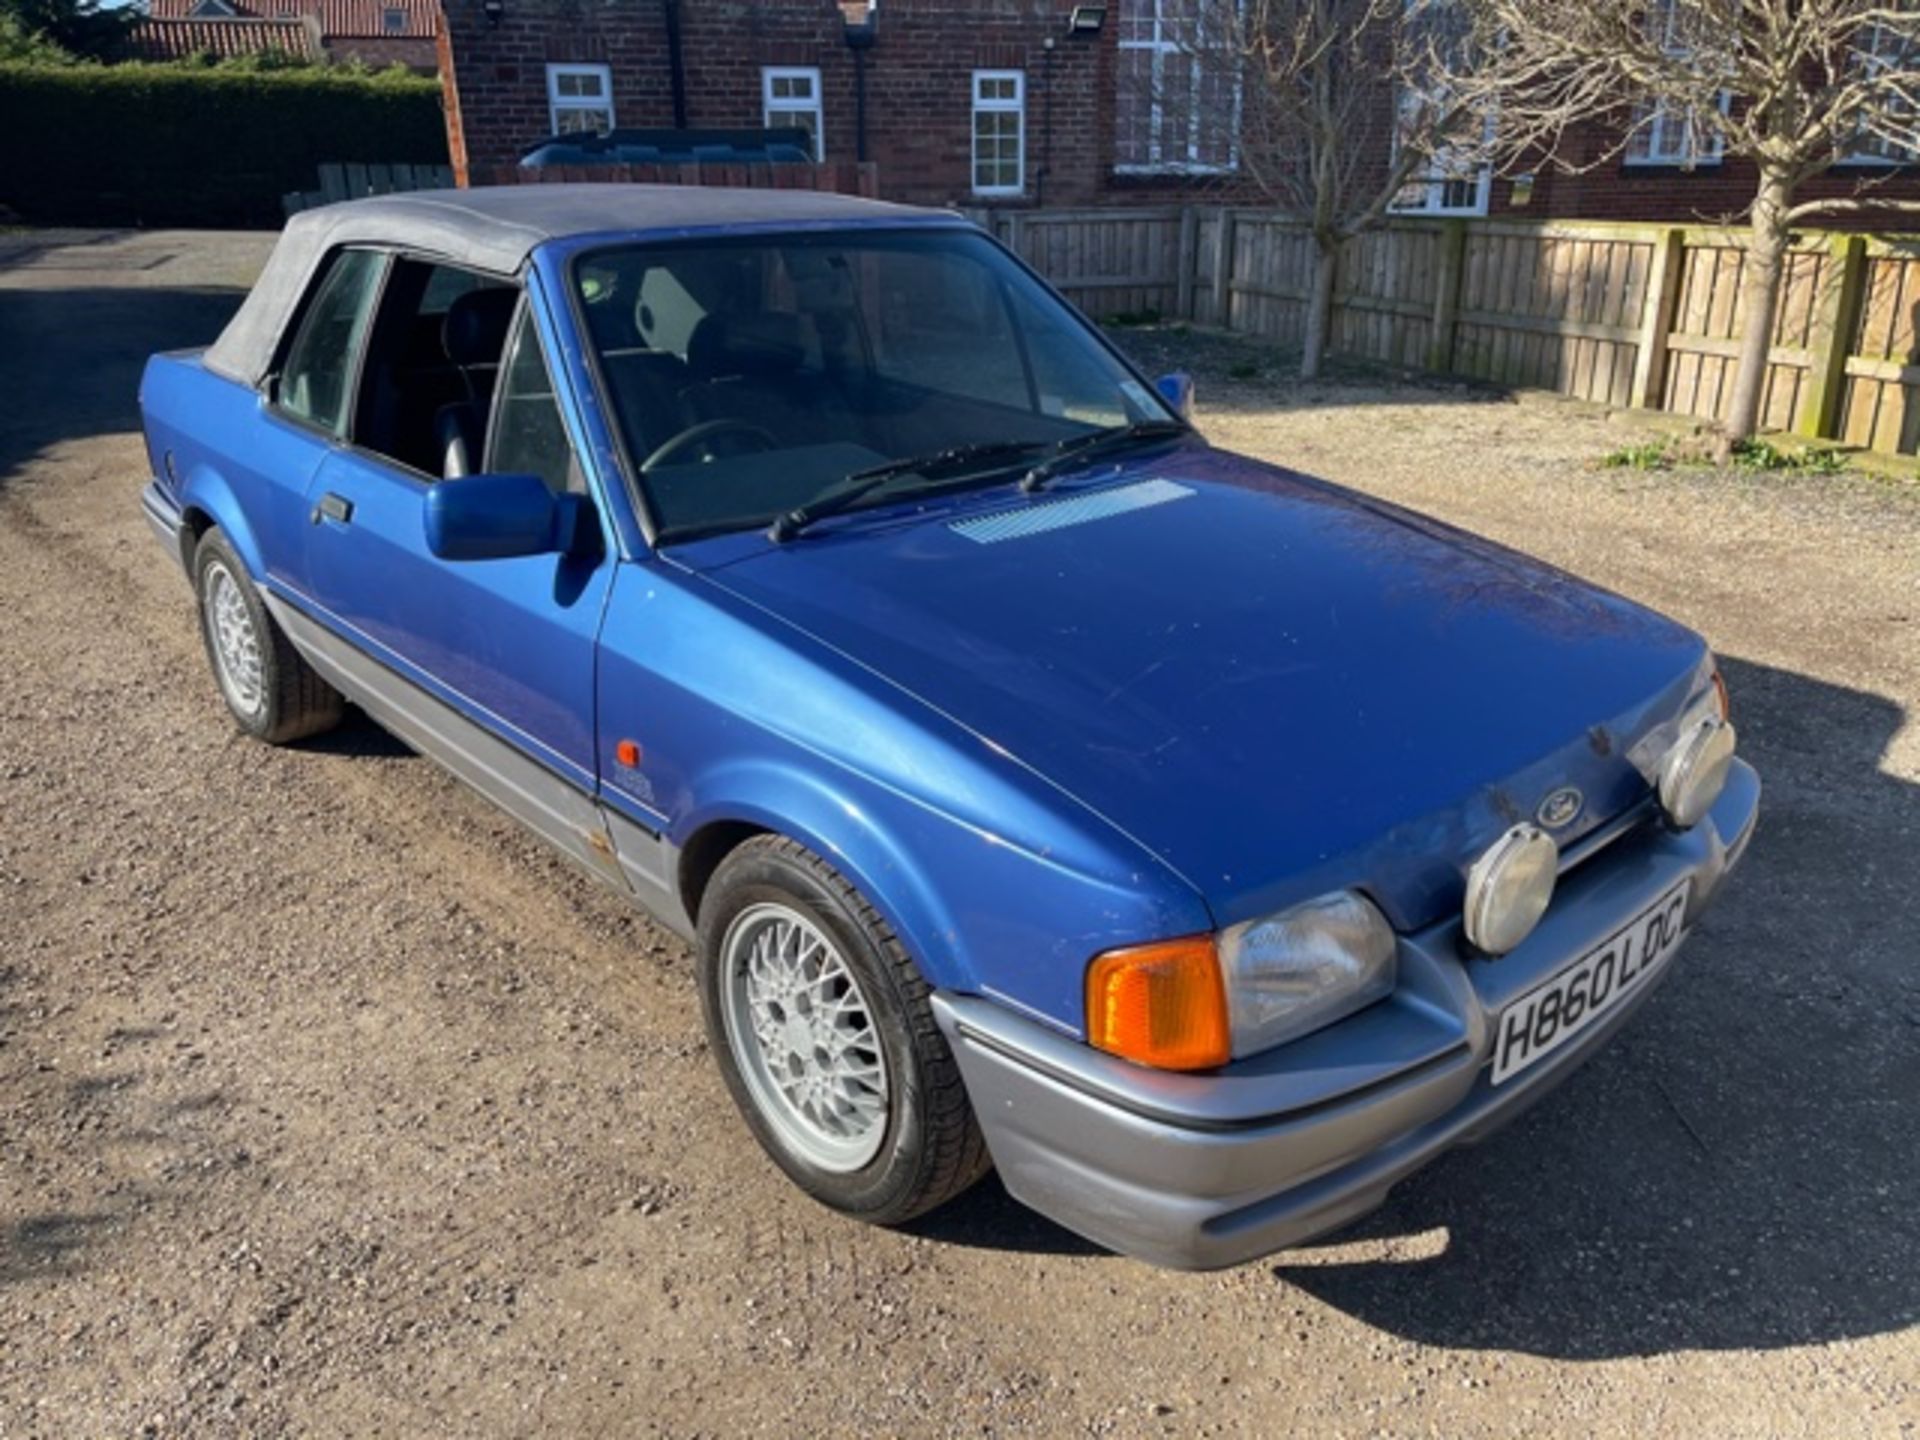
x=1557, y=1009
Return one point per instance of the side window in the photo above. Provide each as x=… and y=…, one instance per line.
x=432, y=357
x=529, y=437
x=314, y=378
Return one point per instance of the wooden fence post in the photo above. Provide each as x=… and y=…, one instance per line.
x=1017, y=235
x=1187, y=258
x=1223, y=269
x=1656, y=320
x=1446, y=295
x=1834, y=324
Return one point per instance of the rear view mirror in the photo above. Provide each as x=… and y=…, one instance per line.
x=493, y=517
x=1177, y=390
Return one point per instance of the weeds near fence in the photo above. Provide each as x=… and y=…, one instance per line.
x=1759, y=454
x=1749, y=455
x=1652, y=455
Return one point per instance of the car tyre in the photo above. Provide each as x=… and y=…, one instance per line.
x=270, y=690
x=794, y=962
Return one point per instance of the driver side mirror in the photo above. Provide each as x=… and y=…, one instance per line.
x=495, y=517
x=1177, y=390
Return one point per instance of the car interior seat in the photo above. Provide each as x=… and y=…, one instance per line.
x=473, y=334
x=752, y=368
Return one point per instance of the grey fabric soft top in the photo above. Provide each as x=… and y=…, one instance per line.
x=494, y=229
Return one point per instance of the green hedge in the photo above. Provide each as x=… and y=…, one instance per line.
x=155, y=144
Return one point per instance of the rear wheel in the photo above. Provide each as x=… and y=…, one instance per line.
x=822, y=1028
x=270, y=690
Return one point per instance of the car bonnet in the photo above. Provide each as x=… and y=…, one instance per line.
x=1277, y=686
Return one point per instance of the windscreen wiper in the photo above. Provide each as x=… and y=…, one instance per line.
x=849, y=489
x=1080, y=448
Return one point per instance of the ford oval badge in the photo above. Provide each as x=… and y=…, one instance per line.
x=1560, y=808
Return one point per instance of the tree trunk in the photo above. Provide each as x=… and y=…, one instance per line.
x=1313, y=347
x=1760, y=298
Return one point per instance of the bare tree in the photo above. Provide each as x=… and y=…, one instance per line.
x=1792, y=86
x=1336, y=111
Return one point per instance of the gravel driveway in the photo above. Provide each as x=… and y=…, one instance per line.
x=330, y=1103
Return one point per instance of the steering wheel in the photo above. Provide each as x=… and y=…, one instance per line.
x=703, y=433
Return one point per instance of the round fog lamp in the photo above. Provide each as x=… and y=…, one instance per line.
x=1509, y=888
x=1695, y=770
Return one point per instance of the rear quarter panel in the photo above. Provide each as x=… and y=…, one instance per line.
x=227, y=459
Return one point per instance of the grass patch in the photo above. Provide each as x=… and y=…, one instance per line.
x=1651, y=455
x=1809, y=460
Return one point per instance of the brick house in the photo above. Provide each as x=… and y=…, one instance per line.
x=981, y=102
x=1000, y=102
x=1656, y=181
x=377, y=33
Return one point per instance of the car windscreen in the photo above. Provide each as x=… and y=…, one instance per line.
x=747, y=375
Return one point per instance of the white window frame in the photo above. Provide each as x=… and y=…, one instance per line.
x=1887, y=156
x=1670, y=141
x=1670, y=135
x=557, y=104
x=1433, y=199
x=1158, y=161
x=996, y=105
x=771, y=108
x=1434, y=181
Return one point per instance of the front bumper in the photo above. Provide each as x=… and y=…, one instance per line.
x=1202, y=1171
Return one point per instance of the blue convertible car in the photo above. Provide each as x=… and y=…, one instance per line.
x=1201, y=844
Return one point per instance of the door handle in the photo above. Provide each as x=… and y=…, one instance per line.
x=333, y=507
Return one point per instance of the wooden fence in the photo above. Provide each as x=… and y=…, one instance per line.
x=351, y=182
x=1622, y=314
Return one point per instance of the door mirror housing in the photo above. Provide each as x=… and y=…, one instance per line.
x=1177, y=390
x=495, y=517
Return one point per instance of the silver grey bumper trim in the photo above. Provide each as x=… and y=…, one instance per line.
x=1204, y=1171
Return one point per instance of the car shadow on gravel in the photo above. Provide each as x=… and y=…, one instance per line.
x=359, y=738
x=988, y=1218
x=80, y=377
x=1737, y=1170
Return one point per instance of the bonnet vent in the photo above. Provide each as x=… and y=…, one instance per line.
x=1076, y=510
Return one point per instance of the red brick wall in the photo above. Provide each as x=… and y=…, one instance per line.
x=1609, y=189
x=919, y=96
x=919, y=83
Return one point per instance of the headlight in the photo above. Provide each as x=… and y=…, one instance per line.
x=1686, y=760
x=1294, y=972
x=1509, y=888
x=1695, y=769
x=1198, y=1002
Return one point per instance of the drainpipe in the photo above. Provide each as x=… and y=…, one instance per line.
x=676, y=64
x=859, y=40
x=1046, y=124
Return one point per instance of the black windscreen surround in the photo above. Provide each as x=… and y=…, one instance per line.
x=746, y=374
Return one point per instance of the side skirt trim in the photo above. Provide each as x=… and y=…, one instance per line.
x=614, y=850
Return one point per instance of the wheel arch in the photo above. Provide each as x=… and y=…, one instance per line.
x=206, y=501
x=845, y=835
